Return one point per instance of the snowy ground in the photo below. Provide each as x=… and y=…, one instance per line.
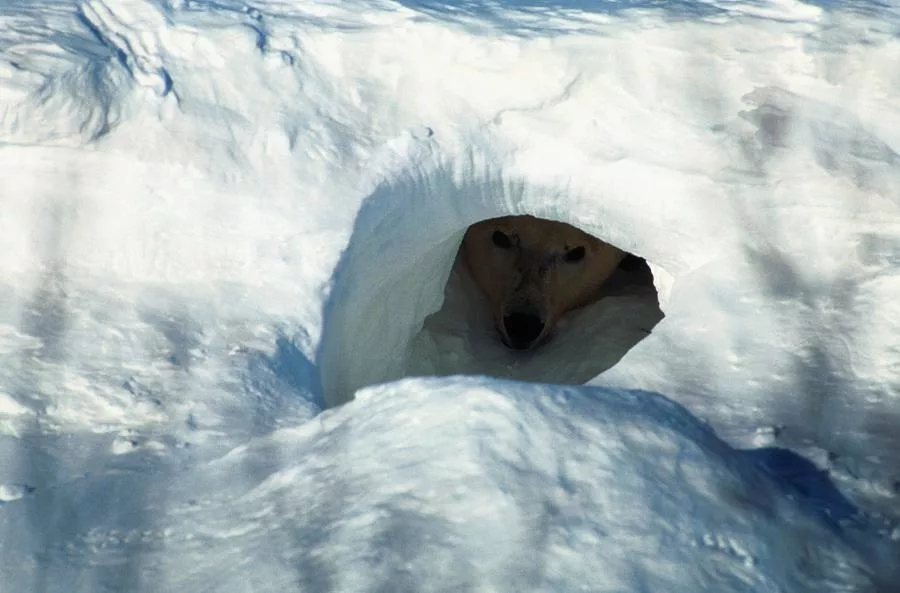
x=218, y=216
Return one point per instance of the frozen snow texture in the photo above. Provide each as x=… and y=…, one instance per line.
x=181, y=178
x=441, y=485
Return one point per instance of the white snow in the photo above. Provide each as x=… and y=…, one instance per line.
x=219, y=217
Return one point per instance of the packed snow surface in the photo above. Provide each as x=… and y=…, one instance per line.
x=221, y=219
x=441, y=485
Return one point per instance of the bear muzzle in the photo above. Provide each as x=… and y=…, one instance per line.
x=522, y=327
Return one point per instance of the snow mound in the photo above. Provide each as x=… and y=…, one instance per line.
x=440, y=484
x=182, y=176
x=469, y=483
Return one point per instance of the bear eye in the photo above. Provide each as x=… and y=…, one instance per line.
x=574, y=255
x=501, y=240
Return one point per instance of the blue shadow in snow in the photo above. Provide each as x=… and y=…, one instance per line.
x=800, y=479
x=287, y=384
x=296, y=369
x=508, y=15
x=503, y=13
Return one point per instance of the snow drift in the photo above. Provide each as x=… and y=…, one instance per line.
x=210, y=206
x=442, y=485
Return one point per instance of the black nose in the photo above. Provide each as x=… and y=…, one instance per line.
x=522, y=329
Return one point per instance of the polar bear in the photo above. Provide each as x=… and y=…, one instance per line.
x=533, y=271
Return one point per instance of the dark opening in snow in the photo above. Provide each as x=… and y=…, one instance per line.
x=463, y=337
x=402, y=304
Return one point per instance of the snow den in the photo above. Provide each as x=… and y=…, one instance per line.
x=404, y=304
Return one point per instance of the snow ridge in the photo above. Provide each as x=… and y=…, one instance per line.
x=129, y=29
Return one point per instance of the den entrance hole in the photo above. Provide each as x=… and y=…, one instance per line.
x=404, y=300
x=530, y=265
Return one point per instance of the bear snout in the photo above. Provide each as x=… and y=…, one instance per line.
x=522, y=329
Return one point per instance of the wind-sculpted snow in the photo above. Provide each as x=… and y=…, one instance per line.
x=137, y=50
x=443, y=485
x=219, y=218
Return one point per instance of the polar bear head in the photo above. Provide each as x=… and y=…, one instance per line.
x=533, y=271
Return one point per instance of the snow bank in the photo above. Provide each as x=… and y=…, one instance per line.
x=468, y=483
x=759, y=188
x=442, y=485
x=208, y=205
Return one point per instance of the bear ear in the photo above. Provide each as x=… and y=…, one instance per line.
x=501, y=240
x=574, y=255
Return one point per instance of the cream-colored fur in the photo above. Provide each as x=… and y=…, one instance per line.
x=533, y=272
